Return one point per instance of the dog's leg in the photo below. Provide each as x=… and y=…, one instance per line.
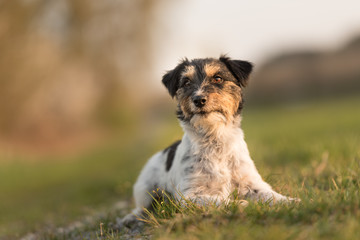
x=198, y=199
x=266, y=195
x=271, y=197
x=185, y=193
x=262, y=191
x=257, y=189
x=143, y=188
x=142, y=200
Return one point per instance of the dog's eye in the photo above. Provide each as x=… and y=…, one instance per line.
x=217, y=79
x=186, y=82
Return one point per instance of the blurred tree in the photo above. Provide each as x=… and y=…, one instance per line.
x=68, y=67
x=301, y=75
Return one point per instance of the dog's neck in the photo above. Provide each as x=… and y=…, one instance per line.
x=213, y=135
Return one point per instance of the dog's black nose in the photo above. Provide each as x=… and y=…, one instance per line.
x=199, y=101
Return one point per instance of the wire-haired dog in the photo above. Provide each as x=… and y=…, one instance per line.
x=212, y=160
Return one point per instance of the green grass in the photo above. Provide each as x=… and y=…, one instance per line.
x=332, y=215
x=330, y=211
x=35, y=195
x=311, y=151
x=41, y=194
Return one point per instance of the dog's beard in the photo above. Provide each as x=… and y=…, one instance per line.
x=203, y=113
x=207, y=126
x=206, y=121
x=214, y=113
x=211, y=117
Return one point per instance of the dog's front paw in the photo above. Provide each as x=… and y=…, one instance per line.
x=273, y=197
x=285, y=199
x=131, y=221
x=296, y=200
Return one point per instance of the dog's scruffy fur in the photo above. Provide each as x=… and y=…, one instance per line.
x=212, y=161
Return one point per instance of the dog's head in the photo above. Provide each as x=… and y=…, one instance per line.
x=208, y=86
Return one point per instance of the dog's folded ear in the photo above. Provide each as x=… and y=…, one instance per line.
x=238, y=68
x=172, y=78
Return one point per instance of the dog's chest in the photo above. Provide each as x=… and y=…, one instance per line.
x=218, y=172
x=216, y=164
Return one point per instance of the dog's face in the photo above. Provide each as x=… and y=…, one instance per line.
x=208, y=86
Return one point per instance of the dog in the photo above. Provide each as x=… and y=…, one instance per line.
x=211, y=162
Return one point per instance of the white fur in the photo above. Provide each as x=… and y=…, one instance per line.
x=217, y=163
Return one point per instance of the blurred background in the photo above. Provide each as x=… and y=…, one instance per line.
x=81, y=98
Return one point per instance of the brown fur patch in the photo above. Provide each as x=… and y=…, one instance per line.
x=189, y=72
x=211, y=69
x=225, y=100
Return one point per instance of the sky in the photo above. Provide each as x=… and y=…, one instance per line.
x=250, y=30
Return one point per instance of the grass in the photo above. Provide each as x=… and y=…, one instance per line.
x=37, y=195
x=332, y=213
x=311, y=151
x=326, y=218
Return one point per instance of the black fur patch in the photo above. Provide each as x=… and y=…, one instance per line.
x=171, y=150
x=185, y=159
x=171, y=78
x=239, y=69
x=180, y=115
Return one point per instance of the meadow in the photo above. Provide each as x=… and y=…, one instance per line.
x=309, y=150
